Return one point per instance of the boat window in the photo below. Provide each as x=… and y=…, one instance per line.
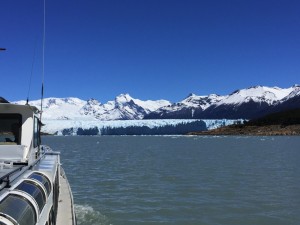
x=7, y=220
x=43, y=179
x=35, y=191
x=36, y=135
x=10, y=129
x=19, y=208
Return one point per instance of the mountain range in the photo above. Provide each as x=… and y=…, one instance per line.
x=249, y=103
x=123, y=107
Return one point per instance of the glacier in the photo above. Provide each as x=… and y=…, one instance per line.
x=59, y=127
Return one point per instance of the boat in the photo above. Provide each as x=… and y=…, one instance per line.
x=34, y=189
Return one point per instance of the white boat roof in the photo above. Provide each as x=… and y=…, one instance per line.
x=8, y=107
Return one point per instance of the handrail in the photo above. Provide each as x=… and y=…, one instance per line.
x=6, y=176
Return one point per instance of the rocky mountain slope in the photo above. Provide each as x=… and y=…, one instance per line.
x=247, y=103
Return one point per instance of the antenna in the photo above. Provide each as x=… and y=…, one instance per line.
x=43, y=70
x=30, y=78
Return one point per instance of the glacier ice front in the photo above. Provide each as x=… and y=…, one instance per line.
x=167, y=126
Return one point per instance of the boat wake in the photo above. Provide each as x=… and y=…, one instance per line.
x=86, y=215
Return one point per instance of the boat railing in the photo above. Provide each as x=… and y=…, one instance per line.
x=5, y=178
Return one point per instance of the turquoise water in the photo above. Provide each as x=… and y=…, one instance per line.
x=182, y=180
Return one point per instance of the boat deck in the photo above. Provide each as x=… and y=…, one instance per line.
x=65, y=212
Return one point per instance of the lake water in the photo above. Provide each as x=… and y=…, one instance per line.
x=182, y=180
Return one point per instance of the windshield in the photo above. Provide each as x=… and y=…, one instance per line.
x=10, y=129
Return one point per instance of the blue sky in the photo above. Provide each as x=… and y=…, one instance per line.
x=151, y=49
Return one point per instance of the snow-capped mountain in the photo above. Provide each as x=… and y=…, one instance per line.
x=245, y=103
x=202, y=102
x=59, y=108
x=248, y=103
x=124, y=107
x=289, y=102
x=294, y=93
x=259, y=94
x=187, y=108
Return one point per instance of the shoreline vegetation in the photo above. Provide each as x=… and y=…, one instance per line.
x=270, y=130
x=275, y=124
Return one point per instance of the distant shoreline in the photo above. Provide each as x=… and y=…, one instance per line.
x=284, y=123
x=268, y=130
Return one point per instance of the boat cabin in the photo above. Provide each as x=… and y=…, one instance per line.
x=19, y=133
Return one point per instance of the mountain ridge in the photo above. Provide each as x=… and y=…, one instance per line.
x=245, y=103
